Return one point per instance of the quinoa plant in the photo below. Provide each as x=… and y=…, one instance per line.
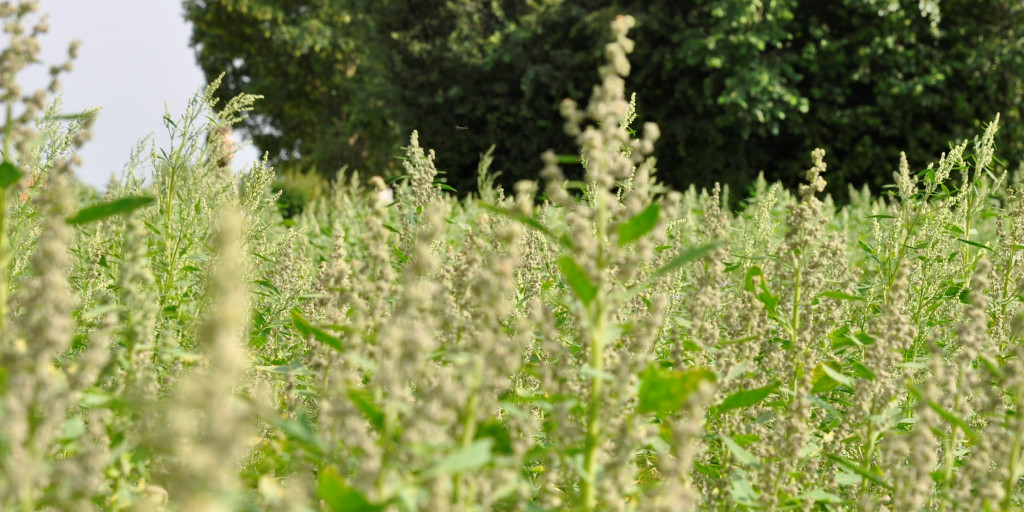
x=602, y=344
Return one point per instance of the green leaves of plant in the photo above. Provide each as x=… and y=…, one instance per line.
x=310, y=331
x=340, y=497
x=100, y=211
x=666, y=391
x=9, y=175
x=826, y=378
x=688, y=255
x=746, y=398
x=764, y=295
x=526, y=220
x=870, y=474
x=638, y=226
x=474, y=456
x=738, y=452
x=577, y=279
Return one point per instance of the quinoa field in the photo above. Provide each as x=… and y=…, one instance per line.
x=606, y=344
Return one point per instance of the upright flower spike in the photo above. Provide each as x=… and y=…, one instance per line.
x=205, y=421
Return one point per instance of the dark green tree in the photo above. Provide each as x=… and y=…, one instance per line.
x=321, y=107
x=737, y=87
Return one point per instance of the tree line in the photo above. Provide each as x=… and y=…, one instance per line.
x=737, y=87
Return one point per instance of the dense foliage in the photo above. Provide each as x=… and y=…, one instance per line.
x=738, y=87
x=174, y=345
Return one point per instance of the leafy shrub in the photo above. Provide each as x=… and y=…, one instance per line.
x=297, y=189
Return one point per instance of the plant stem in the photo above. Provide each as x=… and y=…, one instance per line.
x=596, y=311
x=1014, y=474
x=597, y=334
x=5, y=249
x=469, y=428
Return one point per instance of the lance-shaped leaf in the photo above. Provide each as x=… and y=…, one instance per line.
x=686, y=256
x=339, y=497
x=474, y=456
x=577, y=279
x=638, y=226
x=309, y=330
x=100, y=211
x=746, y=398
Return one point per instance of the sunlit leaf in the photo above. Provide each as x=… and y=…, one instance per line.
x=577, y=279
x=840, y=296
x=9, y=175
x=666, y=391
x=364, y=402
x=638, y=226
x=746, y=398
x=738, y=452
x=686, y=256
x=339, y=497
x=469, y=458
x=100, y=211
x=310, y=331
x=860, y=470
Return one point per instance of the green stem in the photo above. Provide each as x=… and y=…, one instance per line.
x=950, y=454
x=597, y=333
x=1011, y=479
x=469, y=428
x=865, y=460
x=5, y=249
x=795, y=322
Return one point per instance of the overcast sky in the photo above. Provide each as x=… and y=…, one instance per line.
x=134, y=59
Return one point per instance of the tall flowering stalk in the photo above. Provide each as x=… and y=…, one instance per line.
x=19, y=134
x=611, y=238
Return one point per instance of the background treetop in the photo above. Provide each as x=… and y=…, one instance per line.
x=737, y=87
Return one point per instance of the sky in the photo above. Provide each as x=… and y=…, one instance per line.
x=134, y=60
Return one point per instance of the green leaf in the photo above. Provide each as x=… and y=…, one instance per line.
x=339, y=497
x=953, y=419
x=822, y=382
x=638, y=226
x=976, y=244
x=526, y=220
x=577, y=279
x=821, y=496
x=72, y=429
x=764, y=296
x=862, y=471
x=474, y=456
x=865, y=339
x=285, y=369
x=688, y=255
x=9, y=175
x=364, y=402
x=308, y=330
x=837, y=376
x=742, y=456
x=746, y=398
x=840, y=296
x=100, y=211
x=666, y=391
x=863, y=371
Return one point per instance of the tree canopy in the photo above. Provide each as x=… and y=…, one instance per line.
x=738, y=87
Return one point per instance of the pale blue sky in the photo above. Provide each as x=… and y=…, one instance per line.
x=134, y=59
